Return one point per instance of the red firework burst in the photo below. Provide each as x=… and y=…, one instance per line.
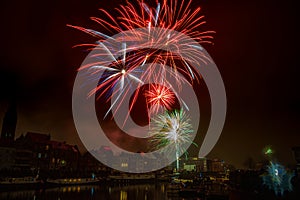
x=139, y=60
x=158, y=96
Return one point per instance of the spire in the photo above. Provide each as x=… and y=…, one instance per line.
x=9, y=124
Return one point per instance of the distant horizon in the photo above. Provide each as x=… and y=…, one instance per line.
x=83, y=150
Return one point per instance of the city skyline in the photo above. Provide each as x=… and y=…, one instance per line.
x=11, y=125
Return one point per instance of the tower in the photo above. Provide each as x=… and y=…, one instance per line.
x=9, y=125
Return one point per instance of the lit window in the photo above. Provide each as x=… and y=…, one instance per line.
x=63, y=162
x=124, y=165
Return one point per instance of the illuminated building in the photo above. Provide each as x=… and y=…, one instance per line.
x=48, y=154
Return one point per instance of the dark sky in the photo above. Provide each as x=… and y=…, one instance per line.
x=254, y=48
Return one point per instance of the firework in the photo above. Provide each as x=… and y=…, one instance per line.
x=168, y=15
x=268, y=152
x=173, y=130
x=117, y=78
x=277, y=179
x=159, y=96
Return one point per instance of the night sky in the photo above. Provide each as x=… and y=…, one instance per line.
x=254, y=48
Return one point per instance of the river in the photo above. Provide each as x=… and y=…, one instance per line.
x=93, y=192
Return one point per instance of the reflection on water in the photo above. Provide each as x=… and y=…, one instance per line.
x=123, y=195
x=124, y=192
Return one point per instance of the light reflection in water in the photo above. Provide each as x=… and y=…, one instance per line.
x=92, y=192
x=123, y=195
x=162, y=188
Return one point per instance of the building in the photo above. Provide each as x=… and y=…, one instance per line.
x=23, y=159
x=62, y=155
x=33, y=151
x=217, y=166
x=89, y=164
x=47, y=154
x=9, y=126
x=37, y=144
x=105, y=154
x=7, y=158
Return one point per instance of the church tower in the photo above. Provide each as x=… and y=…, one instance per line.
x=9, y=125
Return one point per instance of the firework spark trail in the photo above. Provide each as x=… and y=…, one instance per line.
x=172, y=130
x=277, y=179
x=168, y=15
x=159, y=96
x=115, y=78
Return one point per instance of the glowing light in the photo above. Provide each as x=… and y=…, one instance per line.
x=170, y=15
x=172, y=128
x=116, y=79
x=123, y=195
x=277, y=179
x=268, y=150
x=159, y=96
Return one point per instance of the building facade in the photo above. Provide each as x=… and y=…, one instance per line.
x=47, y=154
x=9, y=126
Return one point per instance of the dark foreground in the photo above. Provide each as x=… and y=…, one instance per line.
x=155, y=191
